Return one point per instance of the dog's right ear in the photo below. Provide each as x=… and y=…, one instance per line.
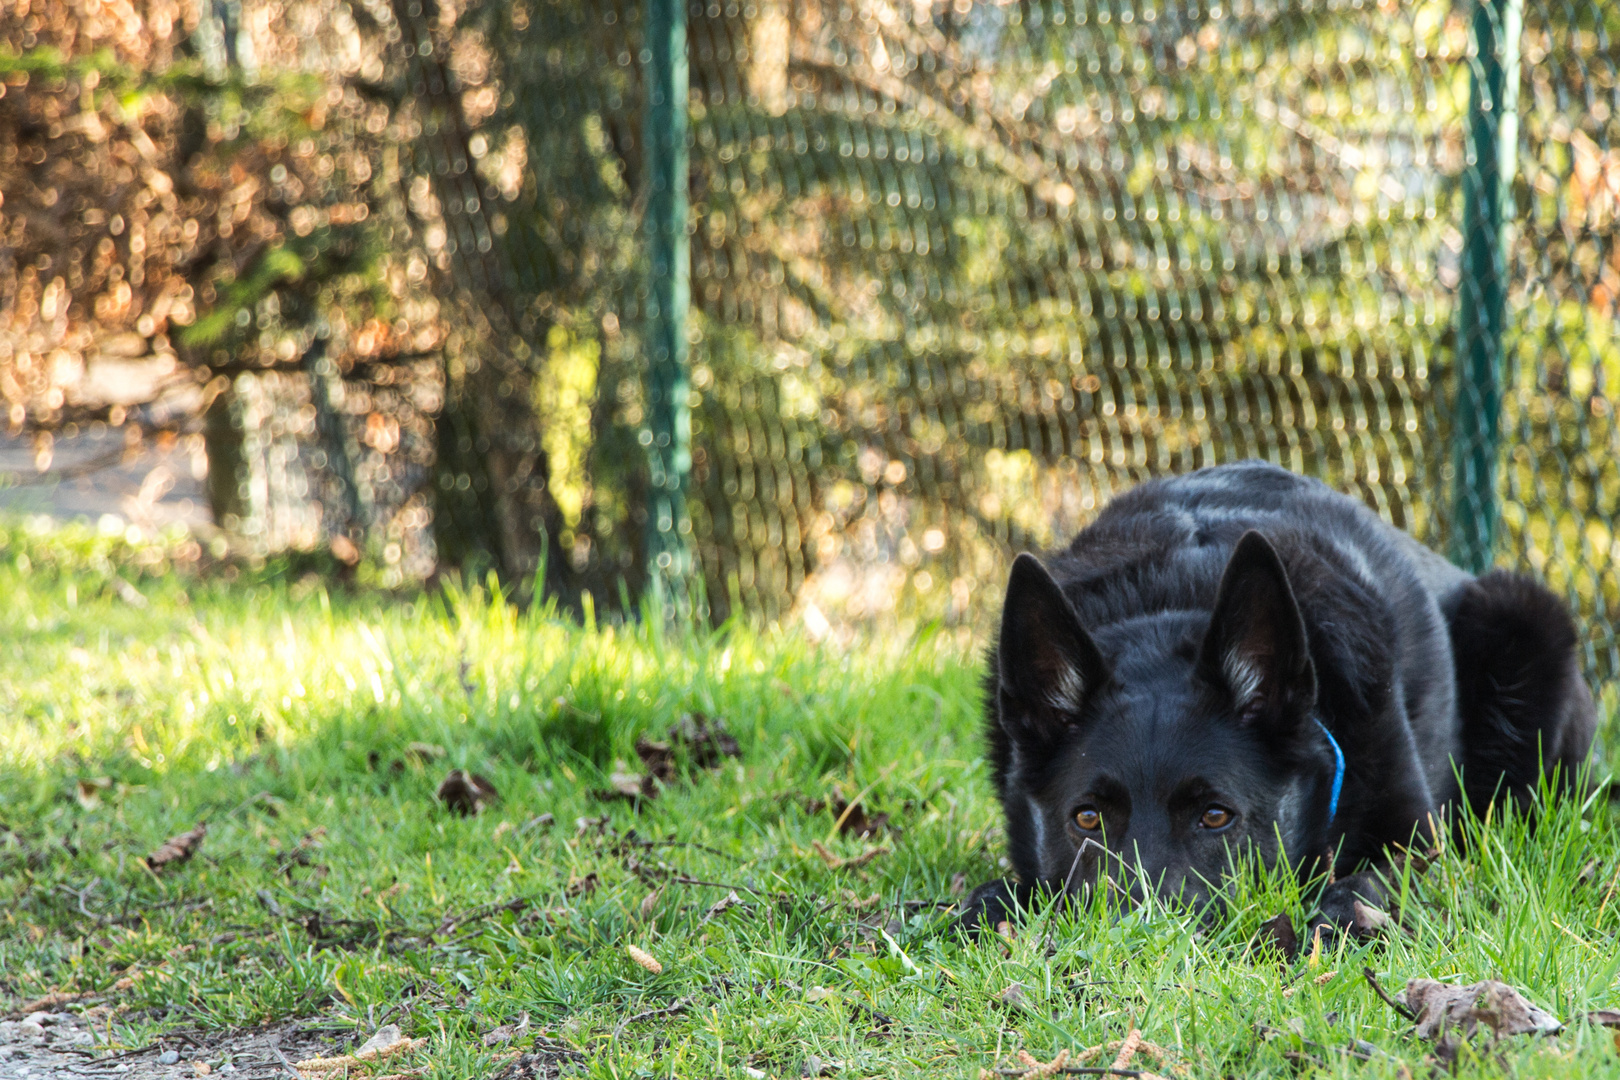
x=1048, y=664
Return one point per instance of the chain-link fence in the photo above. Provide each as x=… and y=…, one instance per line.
x=818, y=310
x=960, y=271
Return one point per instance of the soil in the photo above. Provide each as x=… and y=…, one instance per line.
x=60, y=1045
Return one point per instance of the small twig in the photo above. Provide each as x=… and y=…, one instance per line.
x=682, y=879
x=674, y=1008
x=689, y=844
x=274, y=1043
x=1401, y=1010
x=455, y=921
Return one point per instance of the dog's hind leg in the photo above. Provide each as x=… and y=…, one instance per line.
x=1524, y=707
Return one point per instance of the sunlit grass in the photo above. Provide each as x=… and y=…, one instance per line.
x=331, y=882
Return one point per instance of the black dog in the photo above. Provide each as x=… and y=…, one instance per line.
x=1242, y=659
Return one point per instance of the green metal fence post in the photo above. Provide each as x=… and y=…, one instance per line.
x=669, y=434
x=1493, y=138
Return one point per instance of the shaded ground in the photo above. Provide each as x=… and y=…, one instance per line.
x=65, y=1044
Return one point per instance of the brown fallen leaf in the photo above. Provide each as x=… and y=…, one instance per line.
x=507, y=1032
x=1278, y=933
x=1441, y=1008
x=88, y=790
x=722, y=905
x=658, y=758
x=623, y=784
x=582, y=886
x=707, y=741
x=852, y=820
x=421, y=753
x=649, y=903
x=467, y=793
x=177, y=850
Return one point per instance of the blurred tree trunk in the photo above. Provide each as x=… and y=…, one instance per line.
x=492, y=507
x=222, y=443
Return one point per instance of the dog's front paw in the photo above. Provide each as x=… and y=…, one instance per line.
x=992, y=904
x=1353, y=905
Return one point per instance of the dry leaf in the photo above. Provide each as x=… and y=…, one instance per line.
x=852, y=820
x=650, y=902
x=88, y=790
x=630, y=786
x=467, y=793
x=51, y=1002
x=422, y=753
x=582, y=886
x=707, y=741
x=507, y=1032
x=657, y=758
x=201, y=1068
x=722, y=905
x=1440, y=1007
x=1278, y=932
x=645, y=959
x=177, y=849
x=1013, y=995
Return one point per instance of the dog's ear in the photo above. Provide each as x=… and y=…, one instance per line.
x=1048, y=663
x=1255, y=649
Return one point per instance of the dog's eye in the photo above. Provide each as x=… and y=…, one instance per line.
x=1216, y=817
x=1088, y=818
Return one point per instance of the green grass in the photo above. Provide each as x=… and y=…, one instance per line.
x=332, y=884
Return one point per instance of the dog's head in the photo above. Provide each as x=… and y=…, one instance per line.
x=1154, y=751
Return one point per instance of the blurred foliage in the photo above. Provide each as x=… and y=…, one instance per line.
x=961, y=271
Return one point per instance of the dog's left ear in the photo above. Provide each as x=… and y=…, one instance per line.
x=1255, y=649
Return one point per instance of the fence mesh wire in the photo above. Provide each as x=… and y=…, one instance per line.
x=963, y=270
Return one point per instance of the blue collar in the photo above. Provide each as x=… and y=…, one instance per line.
x=1338, y=771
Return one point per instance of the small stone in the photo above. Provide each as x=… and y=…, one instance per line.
x=40, y=1018
x=29, y=1029
x=168, y=1057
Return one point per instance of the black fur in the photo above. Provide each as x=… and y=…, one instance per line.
x=1171, y=672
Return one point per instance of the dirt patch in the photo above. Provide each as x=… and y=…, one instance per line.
x=62, y=1045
